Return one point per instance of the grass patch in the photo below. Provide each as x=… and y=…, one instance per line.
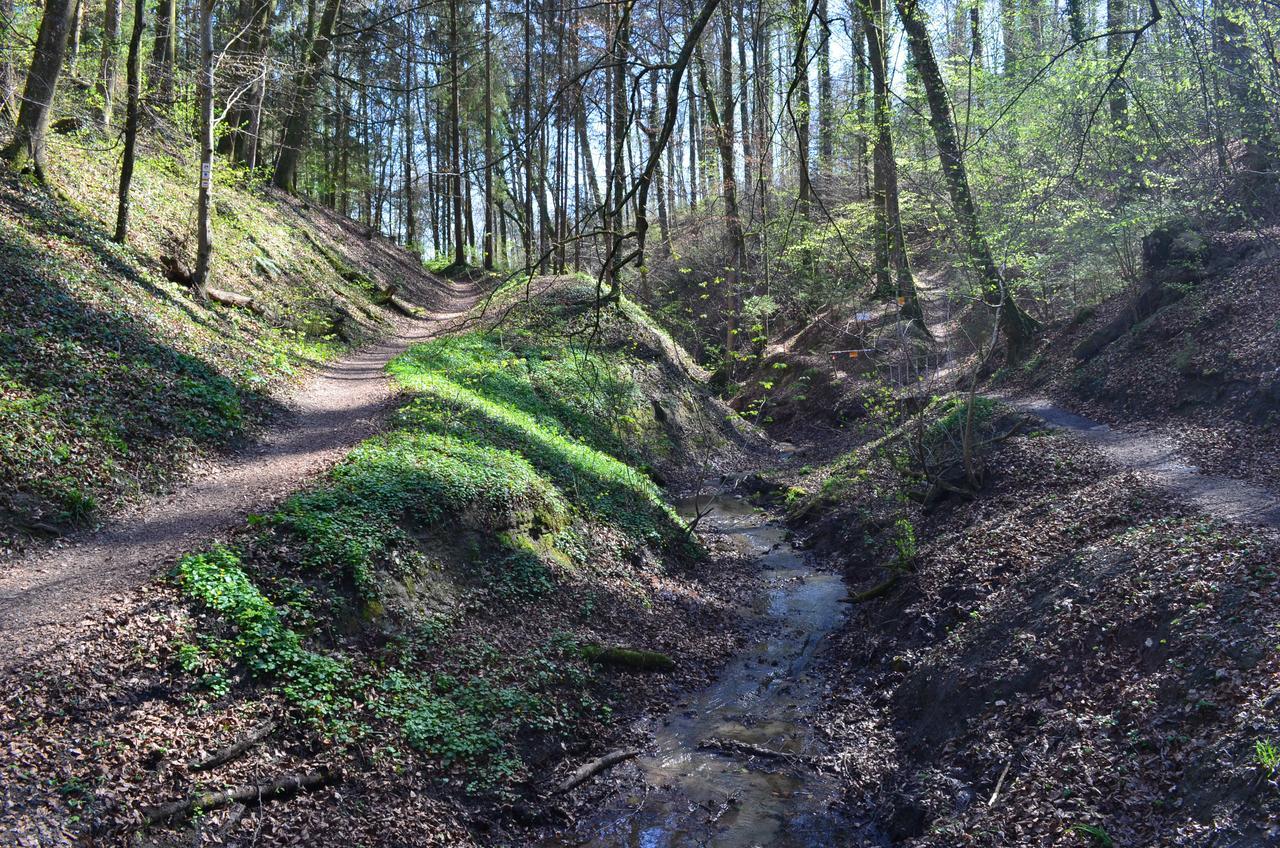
x=563, y=415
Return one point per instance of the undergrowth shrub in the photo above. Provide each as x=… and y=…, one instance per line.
x=261, y=642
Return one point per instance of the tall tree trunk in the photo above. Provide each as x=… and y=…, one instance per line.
x=488, y=137
x=858, y=44
x=744, y=100
x=1019, y=328
x=1010, y=36
x=664, y=246
x=762, y=67
x=204, y=241
x=410, y=192
x=694, y=169
x=1077, y=19
x=1117, y=46
x=73, y=37
x=249, y=72
x=620, y=51
x=528, y=135
x=106, y=84
x=133, y=111
x=826, y=109
x=297, y=126
x=455, y=140
x=891, y=249
x=800, y=108
x=248, y=148
x=722, y=126
x=164, y=53
x=8, y=76
x=870, y=12
x=1245, y=87
x=27, y=148
x=975, y=34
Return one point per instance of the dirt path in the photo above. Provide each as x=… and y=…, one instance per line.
x=1221, y=497
x=44, y=596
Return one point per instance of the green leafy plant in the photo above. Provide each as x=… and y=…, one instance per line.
x=904, y=543
x=1096, y=834
x=1267, y=755
x=261, y=641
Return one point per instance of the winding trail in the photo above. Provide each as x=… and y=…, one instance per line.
x=1157, y=456
x=1221, y=497
x=45, y=595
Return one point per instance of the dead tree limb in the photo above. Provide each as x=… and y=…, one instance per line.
x=227, y=298
x=735, y=746
x=235, y=749
x=591, y=769
x=252, y=793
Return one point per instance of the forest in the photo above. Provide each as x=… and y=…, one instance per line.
x=640, y=423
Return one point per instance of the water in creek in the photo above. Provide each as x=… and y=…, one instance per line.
x=695, y=795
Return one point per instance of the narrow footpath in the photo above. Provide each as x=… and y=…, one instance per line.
x=1226, y=498
x=43, y=596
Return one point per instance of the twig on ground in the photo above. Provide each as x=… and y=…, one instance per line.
x=586, y=772
x=236, y=748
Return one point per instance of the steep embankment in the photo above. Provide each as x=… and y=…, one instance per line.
x=443, y=625
x=1192, y=354
x=1069, y=638
x=114, y=379
x=1067, y=654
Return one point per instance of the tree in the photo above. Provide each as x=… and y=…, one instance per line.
x=8, y=76
x=722, y=126
x=133, y=110
x=891, y=250
x=248, y=52
x=800, y=116
x=826, y=108
x=204, y=240
x=455, y=139
x=488, y=136
x=297, y=126
x=1018, y=327
x=164, y=53
x=27, y=149
x=1117, y=48
x=1077, y=21
x=106, y=82
x=1248, y=96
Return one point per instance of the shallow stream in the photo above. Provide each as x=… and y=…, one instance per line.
x=721, y=794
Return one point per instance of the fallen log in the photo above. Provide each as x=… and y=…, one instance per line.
x=235, y=749
x=228, y=298
x=872, y=593
x=252, y=793
x=403, y=306
x=591, y=769
x=383, y=296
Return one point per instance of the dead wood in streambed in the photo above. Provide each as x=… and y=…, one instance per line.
x=591, y=769
x=734, y=746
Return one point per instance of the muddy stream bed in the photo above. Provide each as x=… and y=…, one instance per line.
x=704, y=779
